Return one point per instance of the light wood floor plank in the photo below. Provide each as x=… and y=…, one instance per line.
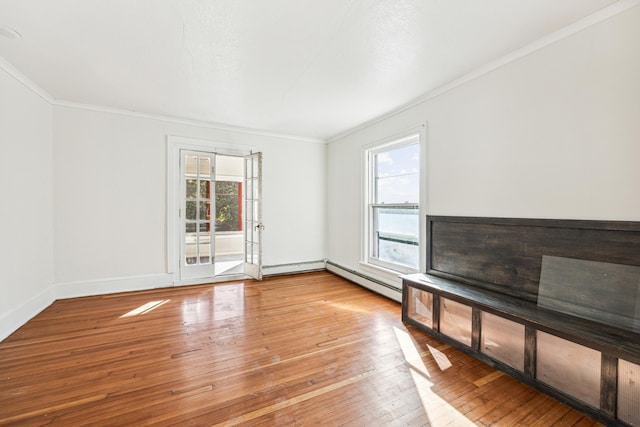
x=305, y=349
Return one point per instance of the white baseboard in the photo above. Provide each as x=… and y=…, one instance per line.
x=112, y=285
x=298, y=267
x=14, y=319
x=151, y=281
x=385, y=289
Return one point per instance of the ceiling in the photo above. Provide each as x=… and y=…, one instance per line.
x=311, y=68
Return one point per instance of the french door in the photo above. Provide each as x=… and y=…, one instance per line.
x=197, y=215
x=197, y=224
x=253, y=215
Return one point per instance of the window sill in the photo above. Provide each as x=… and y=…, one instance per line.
x=385, y=273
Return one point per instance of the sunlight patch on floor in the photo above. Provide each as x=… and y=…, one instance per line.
x=438, y=411
x=441, y=359
x=145, y=308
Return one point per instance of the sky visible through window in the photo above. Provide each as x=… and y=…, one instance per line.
x=397, y=175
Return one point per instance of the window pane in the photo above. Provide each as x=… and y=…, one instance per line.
x=395, y=236
x=398, y=253
x=396, y=175
x=398, y=189
x=400, y=223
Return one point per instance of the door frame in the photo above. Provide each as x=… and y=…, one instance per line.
x=174, y=146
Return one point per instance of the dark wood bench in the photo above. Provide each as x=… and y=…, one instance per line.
x=483, y=294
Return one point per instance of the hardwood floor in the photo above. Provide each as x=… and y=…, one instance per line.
x=308, y=349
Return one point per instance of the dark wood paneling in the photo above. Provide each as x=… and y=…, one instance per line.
x=609, y=385
x=530, y=349
x=605, y=338
x=604, y=292
x=505, y=255
x=476, y=320
x=436, y=312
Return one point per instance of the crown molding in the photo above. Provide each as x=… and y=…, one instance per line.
x=571, y=29
x=26, y=82
x=185, y=121
x=29, y=84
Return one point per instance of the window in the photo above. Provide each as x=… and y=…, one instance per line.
x=393, y=219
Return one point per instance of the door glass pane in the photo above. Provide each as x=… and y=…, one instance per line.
x=254, y=168
x=191, y=165
x=191, y=189
x=203, y=210
x=191, y=252
x=190, y=211
x=248, y=168
x=248, y=252
x=205, y=247
x=190, y=227
x=204, y=167
x=205, y=189
x=249, y=189
x=255, y=191
x=255, y=209
x=205, y=226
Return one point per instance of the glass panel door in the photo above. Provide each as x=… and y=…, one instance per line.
x=196, y=220
x=253, y=215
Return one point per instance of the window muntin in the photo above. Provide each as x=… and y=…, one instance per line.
x=393, y=205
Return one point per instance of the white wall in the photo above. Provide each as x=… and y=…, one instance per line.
x=554, y=134
x=110, y=205
x=26, y=209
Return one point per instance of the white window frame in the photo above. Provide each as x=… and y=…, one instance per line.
x=369, y=151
